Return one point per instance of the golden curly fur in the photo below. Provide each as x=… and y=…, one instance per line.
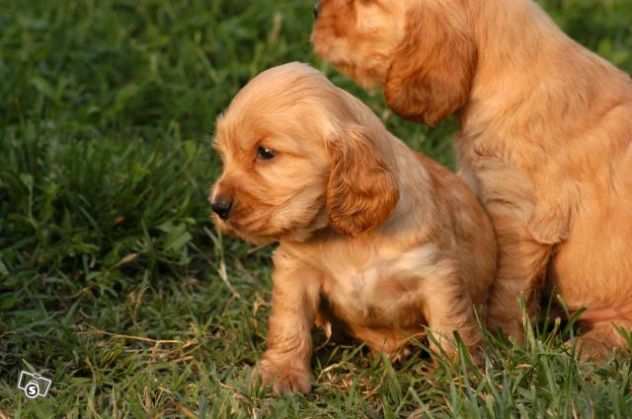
x=545, y=141
x=375, y=239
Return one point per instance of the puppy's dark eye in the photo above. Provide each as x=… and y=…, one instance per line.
x=316, y=9
x=264, y=153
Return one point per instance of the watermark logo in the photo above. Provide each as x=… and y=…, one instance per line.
x=33, y=385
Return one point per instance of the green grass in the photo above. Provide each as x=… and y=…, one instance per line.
x=113, y=281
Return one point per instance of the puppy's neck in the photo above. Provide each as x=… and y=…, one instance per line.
x=529, y=71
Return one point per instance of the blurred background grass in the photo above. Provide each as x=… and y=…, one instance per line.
x=112, y=279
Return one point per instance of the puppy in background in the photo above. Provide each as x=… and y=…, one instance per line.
x=545, y=141
x=373, y=237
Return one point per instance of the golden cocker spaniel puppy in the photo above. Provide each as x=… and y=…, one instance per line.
x=545, y=141
x=375, y=239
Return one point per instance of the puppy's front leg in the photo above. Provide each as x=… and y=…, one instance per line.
x=295, y=298
x=448, y=309
x=521, y=268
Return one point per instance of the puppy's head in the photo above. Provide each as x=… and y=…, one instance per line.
x=420, y=51
x=299, y=155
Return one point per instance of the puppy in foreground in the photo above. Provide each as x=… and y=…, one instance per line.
x=545, y=141
x=374, y=238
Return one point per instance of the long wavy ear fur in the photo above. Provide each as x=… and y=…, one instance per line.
x=361, y=192
x=433, y=69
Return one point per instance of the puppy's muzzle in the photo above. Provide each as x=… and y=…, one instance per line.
x=222, y=206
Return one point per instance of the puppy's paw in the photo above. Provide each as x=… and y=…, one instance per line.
x=589, y=349
x=285, y=377
x=450, y=352
x=597, y=345
x=477, y=355
x=513, y=329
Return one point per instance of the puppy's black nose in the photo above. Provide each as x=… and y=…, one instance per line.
x=316, y=9
x=221, y=207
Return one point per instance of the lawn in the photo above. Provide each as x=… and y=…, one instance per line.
x=113, y=281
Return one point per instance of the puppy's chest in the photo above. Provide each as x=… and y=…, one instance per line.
x=382, y=293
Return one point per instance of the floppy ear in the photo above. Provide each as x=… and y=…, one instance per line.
x=361, y=191
x=433, y=68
